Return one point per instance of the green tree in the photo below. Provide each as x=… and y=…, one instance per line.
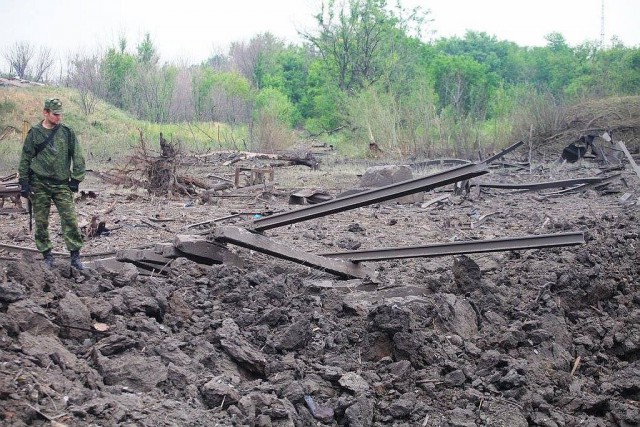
x=288, y=73
x=255, y=58
x=147, y=53
x=500, y=57
x=117, y=67
x=462, y=84
x=221, y=96
x=272, y=102
x=274, y=115
x=203, y=80
x=553, y=67
x=616, y=71
x=354, y=39
x=323, y=103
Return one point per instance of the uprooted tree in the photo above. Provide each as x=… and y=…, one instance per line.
x=156, y=171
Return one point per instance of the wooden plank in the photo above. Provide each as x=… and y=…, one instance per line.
x=630, y=158
x=10, y=189
x=241, y=237
x=534, y=186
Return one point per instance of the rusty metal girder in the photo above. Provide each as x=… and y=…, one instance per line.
x=503, y=152
x=375, y=195
x=465, y=247
x=541, y=185
x=243, y=238
x=583, y=187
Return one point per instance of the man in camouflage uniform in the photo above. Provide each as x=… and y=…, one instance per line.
x=51, y=168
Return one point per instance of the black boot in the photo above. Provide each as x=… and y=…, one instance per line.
x=75, y=260
x=48, y=258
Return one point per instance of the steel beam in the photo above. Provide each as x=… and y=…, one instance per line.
x=241, y=237
x=583, y=187
x=465, y=247
x=372, y=196
x=503, y=152
x=541, y=185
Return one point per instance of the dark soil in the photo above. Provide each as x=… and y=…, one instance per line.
x=543, y=337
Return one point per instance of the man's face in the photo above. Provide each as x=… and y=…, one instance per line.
x=52, y=118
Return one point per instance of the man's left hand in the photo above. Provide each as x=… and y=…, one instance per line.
x=74, y=185
x=25, y=190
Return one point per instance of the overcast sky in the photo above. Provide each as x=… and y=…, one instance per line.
x=194, y=30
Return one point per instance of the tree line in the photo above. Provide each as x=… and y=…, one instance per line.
x=363, y=74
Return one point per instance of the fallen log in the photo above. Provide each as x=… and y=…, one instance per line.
x=189, y=180
x=306, y=160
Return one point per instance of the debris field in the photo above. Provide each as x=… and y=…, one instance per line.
x=174, y=326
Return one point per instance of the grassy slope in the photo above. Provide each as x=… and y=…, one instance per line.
x=108, y=133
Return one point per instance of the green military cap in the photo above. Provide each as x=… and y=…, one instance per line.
x=54, y=105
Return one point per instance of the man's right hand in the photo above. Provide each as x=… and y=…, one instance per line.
x=25, y=190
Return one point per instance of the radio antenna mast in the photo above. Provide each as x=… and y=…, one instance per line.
x=602, y=27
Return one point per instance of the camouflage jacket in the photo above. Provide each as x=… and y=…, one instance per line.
x=59, y=161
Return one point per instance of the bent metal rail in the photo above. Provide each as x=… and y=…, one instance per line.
x=369, y=197
x=464, y=247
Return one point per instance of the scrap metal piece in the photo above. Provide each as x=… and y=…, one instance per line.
x=202, y=251
x=365, y=198
x=576, y=150
x=584, y=187
x=632, y=162
x=465, y=247
x=541, y=185
x=9, y=189
x=503, y=152
x=309, y=196
x=241, y=237
x=439, y=162
x=257, y=175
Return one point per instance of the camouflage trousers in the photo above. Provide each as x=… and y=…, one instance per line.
x=43, y=194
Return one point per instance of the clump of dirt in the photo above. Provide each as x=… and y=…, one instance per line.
x=542, y=337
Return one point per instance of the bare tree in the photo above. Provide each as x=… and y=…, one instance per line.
x=182, y=107
x=19, y=56
x=84, y=75
x=149, y=91
x=44, y=61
